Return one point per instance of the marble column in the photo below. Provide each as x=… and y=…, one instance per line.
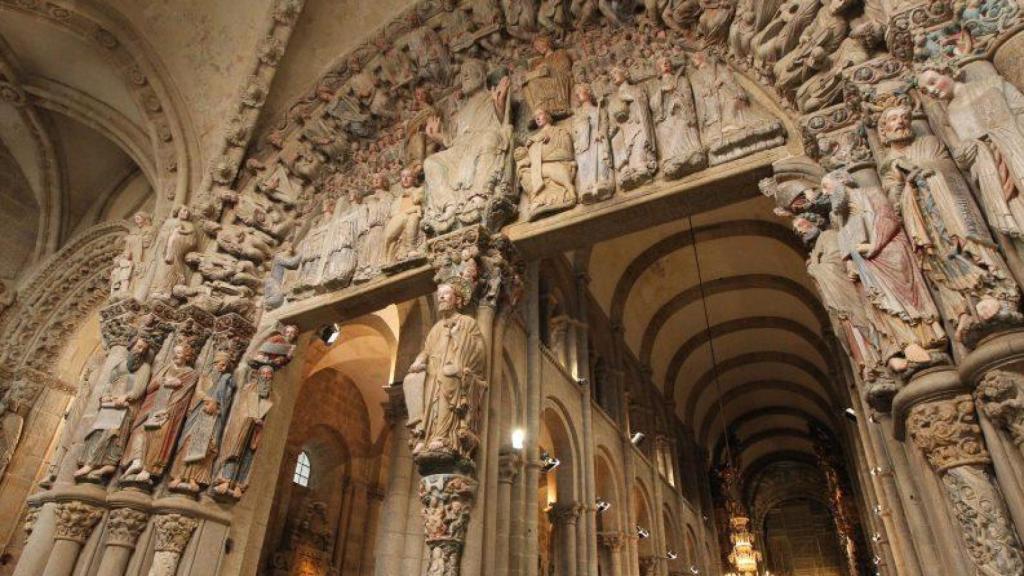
x=75, y=522
x=124, y=525
x=173, y=532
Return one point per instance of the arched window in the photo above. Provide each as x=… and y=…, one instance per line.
x=301, y=476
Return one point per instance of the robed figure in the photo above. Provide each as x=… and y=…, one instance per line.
x=176, y=239
x=675, y=122
x=158, y=422
x=631, y=131
x=105, y=442
x=944, y=224
x=880, y=257
x=447, y=385
x=595, y=177
x=199, y=444
x=340, y=237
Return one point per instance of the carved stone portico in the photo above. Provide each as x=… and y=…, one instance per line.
x=497, y=286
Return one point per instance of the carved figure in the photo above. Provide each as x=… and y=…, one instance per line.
x=548, y=84
x=880, y=257
x=160, y=417
x=595, y=178
x=675, y=123
x=714, y=21
x=311, y=251
x=452, y=365
x=341, y=239
x=402, y=233
x=245, y=242
x=199, y=443
x=1001, y=397
x=273, y=287
x=462, y=177
x=428, y=51
x=631, y=132
x=987, y=121
x=14, y=408
x=417, y=145
x=783, y=32
x=121, y=276
x=826, y=86
x=547, y=168
x=944, y=225
x=105, y=442
x=811, y=54
x=137, y=242
x=731, y=125
x=370, y=247
x=176, y=239
x=249, y=411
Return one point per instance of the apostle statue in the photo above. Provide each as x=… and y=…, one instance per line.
x=461, y=178
x=340, y=240
x=595, y=178
x=137, y=242
x=449, y=377
x=631, y=132
x=370, y=247
x=192, y=469
x=121, y=276
x=548, y=84
x=311, y=250
x=731, y=124
x=944, y=224
x=176, y=239
x=160, y=417
x=402, y=234
x=547, y=167
x=15, y=406
x=880, y=257
x=987, y=121
x=249, y=411
x=675, y=122
x=105, y=442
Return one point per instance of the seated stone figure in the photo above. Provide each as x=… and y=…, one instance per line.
x=547, y=168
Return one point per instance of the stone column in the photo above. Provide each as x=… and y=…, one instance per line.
x=509, y=464
x=612, y=543
x=391, y=535
x=534, y=394
x=947, y=432
x=75, y=521
x=173, y=532
x=648, y=565
x=124, y=525
x=564, y=516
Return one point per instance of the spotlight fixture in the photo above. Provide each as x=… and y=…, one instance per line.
x=876, y=560
x=518, y=437
x=694, y=570
x=637, y=438
x=877, y=471
x=582, y=381
x=878, y=509
x=329, y=333
x=851, y=414
x=548, y=462
x=602, y=505
x=670, y=555
x=642, y=533
x=877, y=538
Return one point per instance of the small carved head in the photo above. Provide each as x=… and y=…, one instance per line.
x=542, y=117
x=408, y=177
x=139, y=347
x=542, y=44
x=221, y=361
x=184, y=354
x=619, y=75
x=184, y=213
x=290, y=332
x=142, y=219
x=448, y=298
x=936, y=84
x=584, y=94
x=894, y=125
x=665, y=65
x=380, y=181
x=472, y=76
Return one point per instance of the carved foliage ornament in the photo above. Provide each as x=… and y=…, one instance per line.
x=1000, y=395
x=75, y=521
x=948, y=433
x=124, y=526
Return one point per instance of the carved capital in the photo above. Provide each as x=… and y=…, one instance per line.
x=31, y=515
x=562, y=513
x=948, y=433
x=510, y=462
x=836, y=137
x=124, y=526
x=611, y=540
x=482, y=266
x=1000, y=397
x=75, y=521
x=173, y=531
x=118, y=320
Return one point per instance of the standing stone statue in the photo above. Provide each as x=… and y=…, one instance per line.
x=731, y=124
x=595, y=177
x=402, y=234
x=462, y=177
x=160, y=417
x=783, y=32
x=249, y=412
x=548, y=84
x=340, y=239
x=273, y=286
x=121, y=276
x=446, y=422
x=370, y=247
x=944, y=225
x=137, y=243
x=987, y=121
x=547, y=167
x=675, y=122
x=15, y=406
x=192, y=469
x=312, y=251
x=880, y=257
x=811, y=54
x=176, y=239
x=105, y=442
x=631, y=132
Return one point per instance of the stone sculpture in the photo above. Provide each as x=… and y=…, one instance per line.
x=200, y=438
x=311, y=254
x=547, y=168
x=595, y=178
x=402, y=234
x=370, y=246
x=880, y=257
x=783, y=32
x=119, y=396
x=945, y=227
x=274, y=292
x=548, y=83
x=811, y=54
x=445, y=427
x=341, y=239
x=631, y=132
x=675, y=121
x=176, y=239
x=462, y=178
x=160, y=417
x=14, y=408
